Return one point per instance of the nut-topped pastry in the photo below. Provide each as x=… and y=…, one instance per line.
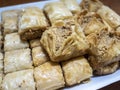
x=63, y=43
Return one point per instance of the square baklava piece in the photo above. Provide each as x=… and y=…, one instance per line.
x=34, y=43
x=72, y=5
x=10, y=21
x=32, y=23
x=17, y=60
x=13, y=42
x=48, y=76
x=63, y=43
x=57, y=13
x=20, y=80
x=104, y=49
x=76, y=70
x=39, y=56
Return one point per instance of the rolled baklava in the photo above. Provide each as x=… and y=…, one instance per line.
x=20, y=80
x=76, y=70
x=17, y=60
x=63, y=43
x=57, y=13
x=104, y=48
x=32, y=23
x=10, y=21
x=48, y=76
x=72, y=5
x=39, y=56
x=111, y=17
x=90, y=5
x=13, y=42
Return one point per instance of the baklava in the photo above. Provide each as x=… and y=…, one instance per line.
x=104, y=50
x=91, y=22
x=76, y=70
x=63, y=43
x=57, y=13
x=72, y=5
x=111, y=17
x=39, y=56
x=48, y=76
x=17, y=60
x=10, y=21
x=20, y=80
x=13, y=42
x=90, y=5
x=32, y=23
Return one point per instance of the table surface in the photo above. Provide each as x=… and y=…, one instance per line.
x=115, y=5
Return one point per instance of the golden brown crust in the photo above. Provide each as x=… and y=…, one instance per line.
x=48, y=76
x=76, y=70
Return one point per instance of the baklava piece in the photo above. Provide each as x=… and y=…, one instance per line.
x=63, y=43
x=72, y=5
x=111, y=17
x=10, y=21
x=76, y=70
x=13, y=42
x=32, y=23
x=104, y=49
x=90, y=5
x=48, y=76
x=90, y=22
x=34, y=43
x=39, y=56
x=57, y=13
x=107, y=69
x=20, y=80
x=17, y=60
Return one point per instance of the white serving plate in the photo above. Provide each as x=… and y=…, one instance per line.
x=96, y=82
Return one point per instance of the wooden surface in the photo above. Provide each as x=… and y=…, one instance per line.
x=114, y=4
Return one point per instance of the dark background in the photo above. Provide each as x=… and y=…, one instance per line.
x=114, y=4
